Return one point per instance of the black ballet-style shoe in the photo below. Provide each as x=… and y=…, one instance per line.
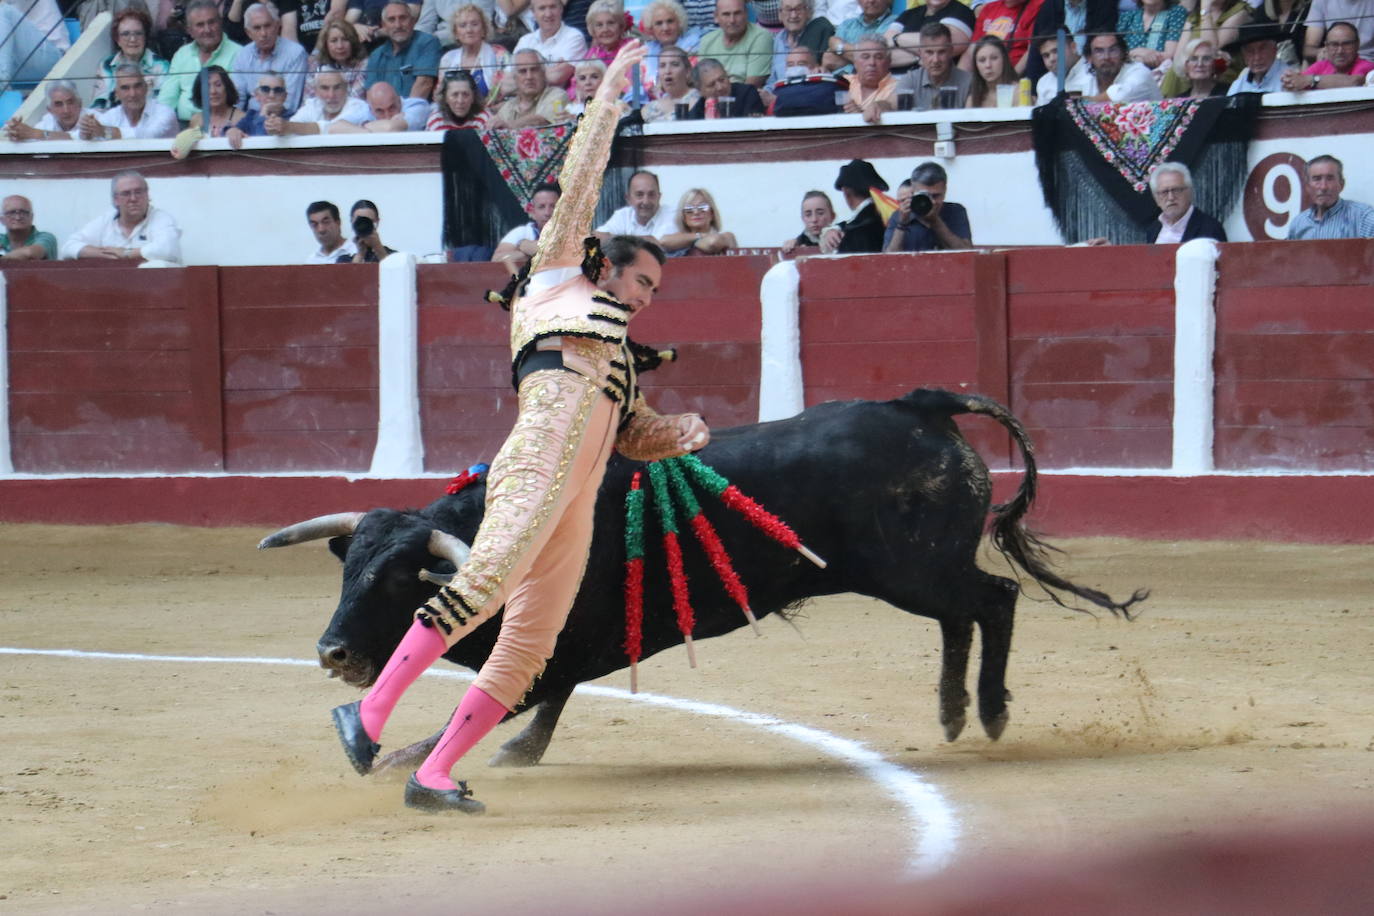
x=423, y=798
x=361, y=749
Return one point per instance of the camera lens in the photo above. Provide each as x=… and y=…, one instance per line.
x=921, y=204
x=363, y=226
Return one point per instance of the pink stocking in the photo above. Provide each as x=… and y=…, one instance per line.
x=419, y=649
x=476, y=715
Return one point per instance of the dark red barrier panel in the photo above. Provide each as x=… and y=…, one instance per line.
x=1295, y=356
x=114, y=370
x=300, y=367
x=466, y=402
x=1091, y=353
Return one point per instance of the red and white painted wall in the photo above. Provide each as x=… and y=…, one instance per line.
x=256, y=395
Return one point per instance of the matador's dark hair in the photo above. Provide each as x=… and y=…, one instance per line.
x=620, y=251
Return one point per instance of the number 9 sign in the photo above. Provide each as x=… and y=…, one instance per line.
x=1274, y=195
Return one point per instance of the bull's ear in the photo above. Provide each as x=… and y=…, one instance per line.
x=339, y=546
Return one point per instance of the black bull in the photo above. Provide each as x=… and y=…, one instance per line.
x=889, y=493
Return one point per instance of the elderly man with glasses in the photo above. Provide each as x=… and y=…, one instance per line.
x=1341, y=68
x=20, y=241
x=1171, y=183
x=136, y=229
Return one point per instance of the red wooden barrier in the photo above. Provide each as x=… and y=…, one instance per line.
x=114, y=370
x=1295, y=356
x=300, y=367
x=1091, y=353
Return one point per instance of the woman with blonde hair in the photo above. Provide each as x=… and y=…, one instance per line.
x=664, y=24
x=475, y=53
x=1199, y=66
x=1217, y=22
x=606, y=25
x=699, y=227
x=338, y=48
x=587, y=77
x=991, y=68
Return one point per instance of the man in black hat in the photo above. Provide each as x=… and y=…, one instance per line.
x=862, y=232
x=1259, y=46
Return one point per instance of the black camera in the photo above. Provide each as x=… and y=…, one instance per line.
x=922, y=204
x=364, y=226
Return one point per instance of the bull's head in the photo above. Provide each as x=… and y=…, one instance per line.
x=387, y=558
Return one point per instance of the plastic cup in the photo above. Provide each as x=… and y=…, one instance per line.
x=906, y=100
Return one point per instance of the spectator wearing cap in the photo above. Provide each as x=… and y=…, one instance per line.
x=876, y=17
x=1263, y=72
x=801, y=28
x=714, y=84
x=268, y=52
x=937, y=71
x=1110, y=77
x=863, y=231
x=1171, y=183
x=561, y=45
x=926, y=221
x=872, y=88
x=207, y=46
x=1331, y=216
x=63, y=115
x=1343, y=66
x=20, y=241
x=745, y=49
x=409, y=60
x=135, y=117
x=135, y=230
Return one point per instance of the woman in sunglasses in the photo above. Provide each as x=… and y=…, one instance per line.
x=699, y=231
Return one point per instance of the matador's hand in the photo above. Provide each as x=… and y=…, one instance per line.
x=617, y=78
x=693, y=434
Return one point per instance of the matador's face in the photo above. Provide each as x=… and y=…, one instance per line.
x=635, y=283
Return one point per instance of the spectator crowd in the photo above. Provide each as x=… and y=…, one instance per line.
x=233, y=70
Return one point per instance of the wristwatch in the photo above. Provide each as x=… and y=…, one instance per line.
x=839, y=47
x=1316, y=80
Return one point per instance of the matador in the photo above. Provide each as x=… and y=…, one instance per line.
x=577, y=399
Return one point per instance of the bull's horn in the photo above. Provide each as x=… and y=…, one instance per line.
x=442, y=544
x=325, y=526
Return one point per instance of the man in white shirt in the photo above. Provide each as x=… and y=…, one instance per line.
x=135, y=117
x=519, y=245
x=332, y=104
x=387, y=113
x=642, y=216
x=1110, y=77
x=268, y=52
x=324, y=222
x=136, y=229
x=561, y=45
x=1048, y=86
x=60, y=121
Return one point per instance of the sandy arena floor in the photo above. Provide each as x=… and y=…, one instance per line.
x=1243, y=692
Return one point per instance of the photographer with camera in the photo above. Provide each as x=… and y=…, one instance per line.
x=926, y=221
x=365, y=218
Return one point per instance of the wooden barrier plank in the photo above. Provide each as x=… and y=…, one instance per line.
x=1296, y=356
x=1329, y=262
x=1113, y=267
x=1102, y=447
x=301, y=286
x=275, y=326
x=154, y=446
x=58, y=288
x=94, y=412
x=1100, y=313
x=464, y=366
x=867, y=319
x=1121, y=359
x=305, y=411
x=895, y=275
x=907, y=364
x=1332, y=448
x=300, y=368
x=1299, y=403
x=1289, y=310
x=100, y=329
x=1118, y=405
x=80, y=372
x=299, y=450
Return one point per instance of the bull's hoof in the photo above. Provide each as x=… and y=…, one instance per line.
x=517, y=754
x=360, y=748
x=423, y=798
x=995, y=725
x=954, y=726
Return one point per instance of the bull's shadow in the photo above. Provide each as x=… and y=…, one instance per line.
x=888, y=492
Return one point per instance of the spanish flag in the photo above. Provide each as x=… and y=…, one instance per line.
x=884, y=204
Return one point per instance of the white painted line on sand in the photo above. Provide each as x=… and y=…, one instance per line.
x=930, y=817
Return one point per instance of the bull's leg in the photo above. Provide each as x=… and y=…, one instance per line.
x=954, y=699
x=994, y=610
x=527, y=748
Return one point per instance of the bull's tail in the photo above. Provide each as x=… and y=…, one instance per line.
x=1009, y=534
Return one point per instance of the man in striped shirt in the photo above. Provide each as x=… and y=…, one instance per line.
x=1330, y=217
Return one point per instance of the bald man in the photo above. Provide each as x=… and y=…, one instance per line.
x=20, y=241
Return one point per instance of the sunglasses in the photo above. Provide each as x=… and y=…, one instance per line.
x=697, y=208
x=272, y=90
